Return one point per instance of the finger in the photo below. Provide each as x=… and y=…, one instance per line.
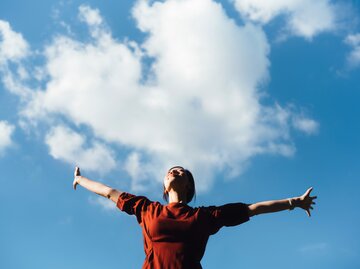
x=308, y=212
x=311, y=207
x=313, y=203
x=77, y=171
x=314, y=197
x=308, y=191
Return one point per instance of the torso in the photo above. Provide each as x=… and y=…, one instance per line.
x=174, y=231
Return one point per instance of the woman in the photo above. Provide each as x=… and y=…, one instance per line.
x=175, y=235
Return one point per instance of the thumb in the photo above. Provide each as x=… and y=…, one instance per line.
x=77, y=171
x=308, y=191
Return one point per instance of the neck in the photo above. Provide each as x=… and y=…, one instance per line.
x=176, y=197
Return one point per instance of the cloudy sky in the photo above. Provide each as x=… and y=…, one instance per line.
x=259, y=99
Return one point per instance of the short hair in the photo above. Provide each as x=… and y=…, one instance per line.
x=190, y=193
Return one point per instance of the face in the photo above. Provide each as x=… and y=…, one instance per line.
x=176, y=178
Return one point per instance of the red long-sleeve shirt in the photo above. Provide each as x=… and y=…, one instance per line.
x=175, y=235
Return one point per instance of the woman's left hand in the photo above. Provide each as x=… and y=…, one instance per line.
x=76, y=175
x=306, y=201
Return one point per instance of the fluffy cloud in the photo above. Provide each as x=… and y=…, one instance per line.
x=69, y=146
x=13, y=48
x=90, y=16
x=12, y=45
x=353, y=58
x=190, y=94
x=6, y=131
x=304, y=18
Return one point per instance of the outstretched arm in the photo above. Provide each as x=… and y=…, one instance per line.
x=304, y=201
x=96, y=187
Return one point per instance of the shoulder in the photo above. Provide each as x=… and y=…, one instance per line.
x=129, y=202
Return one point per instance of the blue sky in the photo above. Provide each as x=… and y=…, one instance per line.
x=259, y=99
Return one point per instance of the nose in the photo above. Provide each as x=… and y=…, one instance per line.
x=174, y=172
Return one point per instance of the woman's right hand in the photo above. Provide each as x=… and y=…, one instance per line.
x=306, y=201
x=76, y=177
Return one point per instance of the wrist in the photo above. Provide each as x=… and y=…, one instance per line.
x=77, y=179
x=291, y=203
x=294, y=202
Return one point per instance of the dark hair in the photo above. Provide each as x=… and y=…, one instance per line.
x=191, y=192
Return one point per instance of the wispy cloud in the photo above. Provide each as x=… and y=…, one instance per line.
x=68, y=220
x=6, y=131
x=353, y=40
x=104, y=203
x=303, y=18
x=316, y=248
x=307, y=125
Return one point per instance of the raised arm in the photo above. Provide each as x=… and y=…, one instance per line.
x=96, y=187
x=304, y=201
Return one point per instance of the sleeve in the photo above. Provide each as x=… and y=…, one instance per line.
x=133, y=205
x=226, y=215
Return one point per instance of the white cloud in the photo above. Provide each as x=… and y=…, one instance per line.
x=315, y=248
x=6, y=130
x=90, y=16
x=308, y=126
x=104, y=203
x=200, y=105
x=353, y=40
x=13, y=48
x=304, y=18
x=137, y=172
x=68, y=146
x=94, y=20
x=12, y=45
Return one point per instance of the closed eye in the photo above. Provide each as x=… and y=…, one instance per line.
x=179, y=169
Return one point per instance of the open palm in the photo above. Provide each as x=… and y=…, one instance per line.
x=306, y=201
